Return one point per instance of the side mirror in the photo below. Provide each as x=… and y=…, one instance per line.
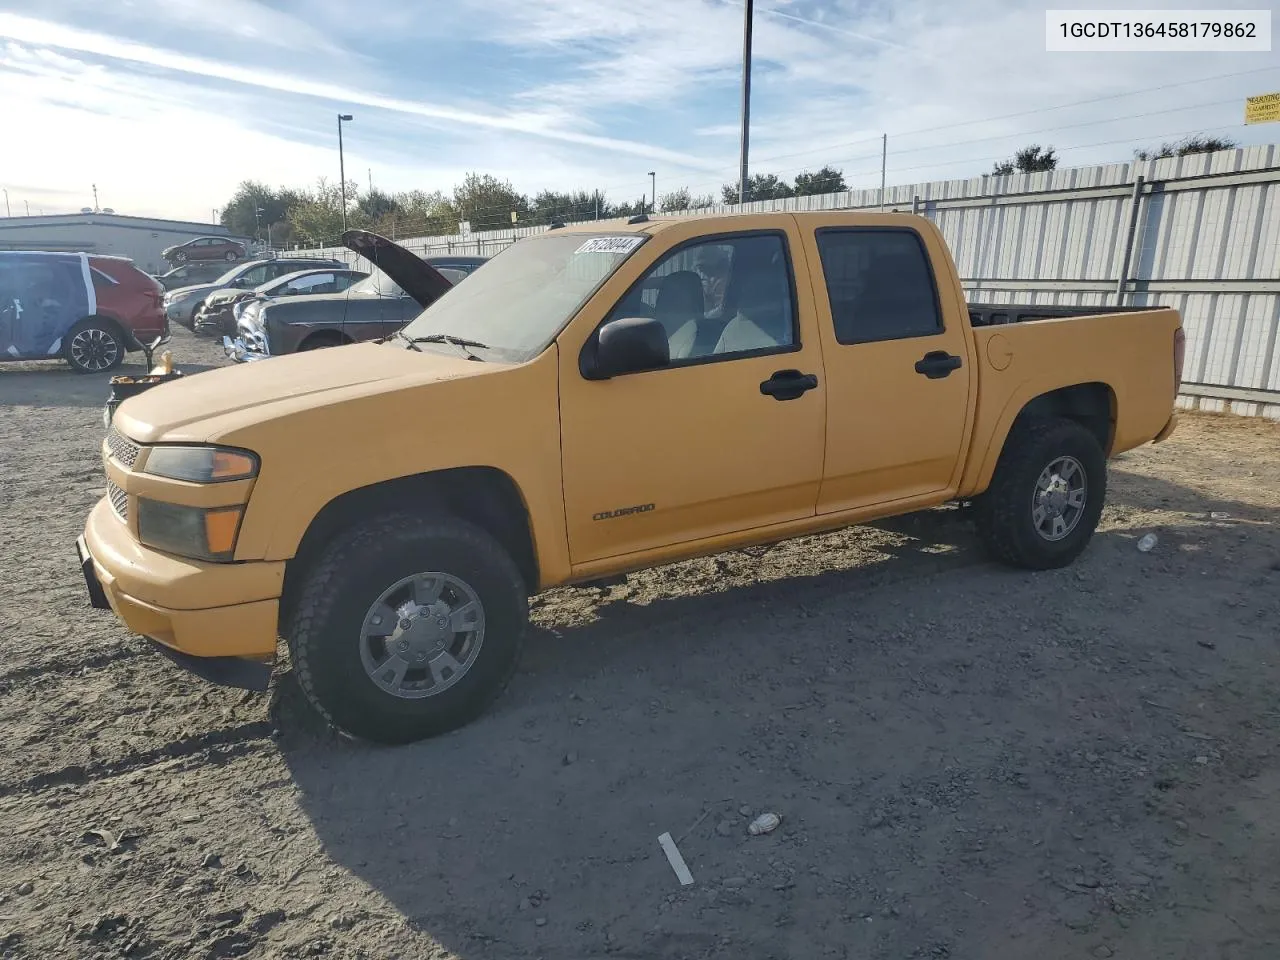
x=630, y=345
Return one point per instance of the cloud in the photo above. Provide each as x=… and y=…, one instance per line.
x=527, y=122
x=569, y=93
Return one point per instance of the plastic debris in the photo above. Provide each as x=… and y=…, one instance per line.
x=1148, y=543
x=765, y=823
x=677, y=862
x=1219, y=515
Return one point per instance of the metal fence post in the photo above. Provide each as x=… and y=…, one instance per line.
x=1135, y=203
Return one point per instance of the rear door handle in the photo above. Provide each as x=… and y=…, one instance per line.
x=789, y=384
x=937, y=364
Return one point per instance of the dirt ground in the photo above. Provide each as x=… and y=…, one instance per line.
x=968, y=762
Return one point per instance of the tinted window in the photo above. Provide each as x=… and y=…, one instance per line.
x=101, y=281
x=259, y=274
x=727, y=296
x=880, y=285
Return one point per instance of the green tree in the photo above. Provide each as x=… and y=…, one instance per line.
x=255, y=206
x=487, y=202
x=1030, y=159
x=374, y=206
x=682, y=199
x=316, y=216
x=826, y=180
x=1189, y=145
x=760, y=186
x=551, y=206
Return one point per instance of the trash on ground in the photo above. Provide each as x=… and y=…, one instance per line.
x=1147, y=543
x=765, y=823
x=1219, y=515
x=677, y=862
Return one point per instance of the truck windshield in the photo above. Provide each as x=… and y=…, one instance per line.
x=518, y=302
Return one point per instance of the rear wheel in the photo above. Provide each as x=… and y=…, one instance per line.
x=231, y=255
x=1046, y=496
x=179, y=257
x=408, y=627
x=94, y=346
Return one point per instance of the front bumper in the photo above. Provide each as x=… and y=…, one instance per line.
x=247, y=347
x=218, y=619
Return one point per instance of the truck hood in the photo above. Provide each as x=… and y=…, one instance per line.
x=409, y=271
x=203, y=407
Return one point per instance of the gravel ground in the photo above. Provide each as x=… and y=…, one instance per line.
x=967, y=761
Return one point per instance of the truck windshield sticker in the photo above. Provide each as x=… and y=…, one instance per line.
x=610, y=245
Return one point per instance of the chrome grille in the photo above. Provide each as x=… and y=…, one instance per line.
x=122, y=448
x=119, y=501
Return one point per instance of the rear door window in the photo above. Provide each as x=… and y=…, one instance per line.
x=880, y=284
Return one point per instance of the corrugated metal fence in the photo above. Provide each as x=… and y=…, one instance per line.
x=1200, y=233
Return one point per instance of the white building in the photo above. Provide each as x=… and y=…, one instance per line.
x=139, y=238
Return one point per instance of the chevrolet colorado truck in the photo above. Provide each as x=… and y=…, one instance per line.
x=599, y=399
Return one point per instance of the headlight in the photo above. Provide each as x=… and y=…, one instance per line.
x=198, y=532
x=201, y=464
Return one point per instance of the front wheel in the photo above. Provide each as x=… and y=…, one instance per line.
x=230, y=256
x=408, y=627
x=1045, y=499
x=94, y=347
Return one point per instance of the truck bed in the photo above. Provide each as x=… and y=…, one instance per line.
x=990, y=314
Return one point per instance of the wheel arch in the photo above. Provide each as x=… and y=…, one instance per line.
x=485, y=496
x=335, y=337
x=1092, y=404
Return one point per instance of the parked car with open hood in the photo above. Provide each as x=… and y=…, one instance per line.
x=180, y=304
x=401, y=285
x=87, y=309
x=220, y=310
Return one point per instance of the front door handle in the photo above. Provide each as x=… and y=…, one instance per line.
x=937, y=364
x=788, y=384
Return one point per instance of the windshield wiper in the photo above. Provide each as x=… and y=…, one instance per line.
x=455, y=341
x=402, y=335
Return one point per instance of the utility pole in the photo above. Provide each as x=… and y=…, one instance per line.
x=95, y=198
x=342, y=170
x=7, y=211
x=371, y=179
x=28, y=206
x=653, y=196
x=746, y=103
x=884, y=154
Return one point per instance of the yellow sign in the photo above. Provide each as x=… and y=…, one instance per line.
x=1262, y=109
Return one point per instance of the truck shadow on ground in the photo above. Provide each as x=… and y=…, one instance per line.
x=532, y=832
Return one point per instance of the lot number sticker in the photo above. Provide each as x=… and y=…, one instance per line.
x=610, y=245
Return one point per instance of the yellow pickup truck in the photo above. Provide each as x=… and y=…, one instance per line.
x=595, y=400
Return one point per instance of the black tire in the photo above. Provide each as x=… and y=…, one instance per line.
x=349, y=577
x=231, y=256
x=179, y=257
x=1006, y=513
x=94, y=345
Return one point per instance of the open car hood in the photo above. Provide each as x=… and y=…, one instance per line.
x=414, y=275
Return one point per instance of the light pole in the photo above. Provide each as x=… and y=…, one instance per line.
x=746, y=103
x=257, y=221
x=6, y=202
x=342, y=169
x=653, y=196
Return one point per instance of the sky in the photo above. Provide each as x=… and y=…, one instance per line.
x=166, y=105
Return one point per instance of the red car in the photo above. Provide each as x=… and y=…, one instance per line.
x=205, y=248
x=86, y=309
